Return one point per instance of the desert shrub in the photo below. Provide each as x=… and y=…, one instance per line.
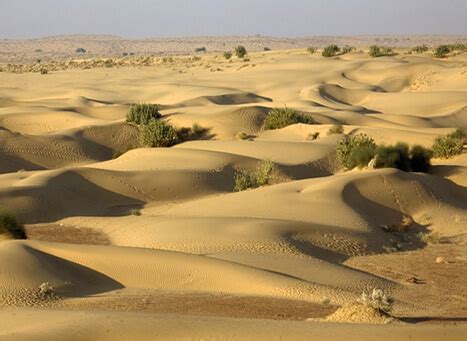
x=459, y=133
x=135, y=212
x=380, y=51
x=44, y=71
x=330, y=51
x=281, y=117
x=336, y=129
x=420, y=159
x=447, y=146
x=311, y=50
x=355, y=150
x=348, y=49
x=377, y=299
x=142, y=113
x=227, y=55
x=158, y=134
x=80, y=50
x=312, y=136
x=196, y=132
x=10, y=226
x=442, y=51
x=266, y=49
x=396, y=156
x=240, y=51
x=419, y=49
x=260, y=176
x=200, y=49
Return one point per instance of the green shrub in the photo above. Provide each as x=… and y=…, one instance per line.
x=240, y=51
x=396, y=156
x=336, y=129
x=420, y=159
x=380, y=51
x=196, y=132
x=447, y=146
x=348, y=49
x=158, y=134
x=227, y=55
x=260, y=176
x=143, y=113
x=10, y=226
x=419, y=49
x=459, y=133
x=311, y=50
x=281, y=117
x=330, y=51
x=442, y=51
x=355, y=150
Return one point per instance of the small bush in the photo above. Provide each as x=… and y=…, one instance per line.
x=312, y=136
x=348, y=49
x=442, y=51
x=420, y=159
x=245, y=179
x=336, y=129
x=200, y=49
x=459, y=133
x=447, y=146
x=158, y=134
x=356, y=150
x=240, y=51
x=80, y=50
x=330, y=51
x=380, y=51
x=419, y=49
x=143, y=113
x=396, y=156
x=266, y=49
x=44, y=71
x=311, y=50
x=196, y=132
x=10, y=226
x=281, y=117
x=227, y=55
x=377, y=299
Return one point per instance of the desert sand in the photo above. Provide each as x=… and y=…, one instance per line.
x=203, y=261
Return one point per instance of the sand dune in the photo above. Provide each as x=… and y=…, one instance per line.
x=173, y=243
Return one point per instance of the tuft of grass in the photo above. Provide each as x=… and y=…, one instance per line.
x=311, y=50
x=377, y=299
x=142, y=113
x=449, y=145
x=260, y=176
x=227, y=55
x=158, y=134
x=10, y=225
x=135, y=212
x=312, y=136
x=330, y=51
x=240, y=51
x=44, y=71
x=442, y=51
x=336, y=129
x=355, y=151
x=348, y=49
x=282, y=117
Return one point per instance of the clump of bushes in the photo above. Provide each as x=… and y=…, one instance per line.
x=240, y=51
x=10, y=226
x=158, y=133
x=419, y=49
x=348, y=49
x=355, y=150
x=336, y=129
x=449, y=145
x=260, y=176
x=281, y=117
x=311, y=50
x=442, y=51
x=331, y=51
x=196, y=132
x=227, y=55
x=380, y=51
x=143, y=113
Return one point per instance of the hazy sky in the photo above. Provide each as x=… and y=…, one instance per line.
x=166, y=18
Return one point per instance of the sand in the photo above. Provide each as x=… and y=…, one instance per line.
x=202, y=261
